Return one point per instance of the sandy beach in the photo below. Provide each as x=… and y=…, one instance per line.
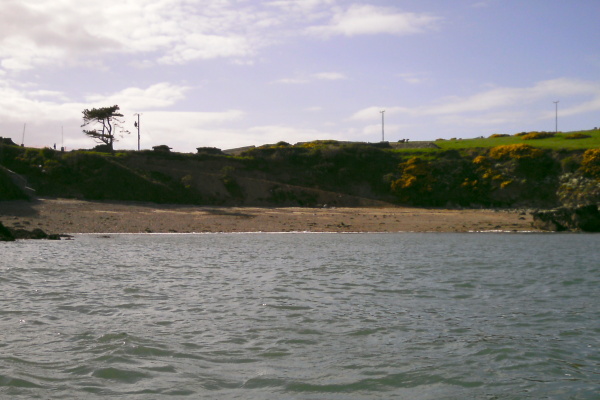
x=65, y=216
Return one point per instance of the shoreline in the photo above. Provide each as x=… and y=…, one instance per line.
x=69, y=216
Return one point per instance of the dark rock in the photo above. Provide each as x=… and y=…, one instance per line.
x=586, y=219
x=5, y=234
x=10, y=234
x=25, y=234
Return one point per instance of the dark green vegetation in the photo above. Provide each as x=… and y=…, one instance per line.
x=524, y=170
x=9, y=190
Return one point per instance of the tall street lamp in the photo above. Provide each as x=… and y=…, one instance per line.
x=382, y=125
x=556, y=116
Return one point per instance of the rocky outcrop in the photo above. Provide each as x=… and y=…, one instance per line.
x=9, y=235
x=5, y=234
x=33, y=234
x=586, y=219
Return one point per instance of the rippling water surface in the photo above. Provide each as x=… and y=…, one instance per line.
x=301, y=316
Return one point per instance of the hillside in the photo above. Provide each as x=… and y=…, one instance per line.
x=525, y=170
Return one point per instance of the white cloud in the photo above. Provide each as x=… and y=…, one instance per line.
x=159, y=95
x=184, y=131
x=512, y=108
x=329, y=76
x=325, y=76
x=179, y=119
x=502, y=98
x=413, y=78
x=374, y=113
x=513, y=97
x=45, y=113
x=482, y=4
x=42, y=32
x=371, y=20
x=36, y=33
x=23, y=106
x=581, y=108
x=303, y=6
x=292, y=81
x=200, y=46
x=58, y=96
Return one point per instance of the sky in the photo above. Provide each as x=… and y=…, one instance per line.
x=234, y=73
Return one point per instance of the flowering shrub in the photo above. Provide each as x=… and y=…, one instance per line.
x=416, y=180
x=590, y=164
x=479, y=160
x=537, y=135
x=515, y=151
x=413, y=169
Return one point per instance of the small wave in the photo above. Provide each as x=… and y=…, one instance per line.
x=289, y=307
x=17, y=382
x=365, y=331
x=120, y=375
x=264, y=382
x=147, y=351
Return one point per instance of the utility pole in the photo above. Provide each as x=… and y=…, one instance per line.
x=137, y=125
x=556, y=116
x=23, y=136
x=382, y=126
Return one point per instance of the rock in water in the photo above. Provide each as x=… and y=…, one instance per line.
x=25, y=234
x=5, y=234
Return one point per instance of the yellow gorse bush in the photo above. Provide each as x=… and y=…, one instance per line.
x=515, y=151
x=537, y=135
x=416, y=174
x=479, y=160
x=590, y=163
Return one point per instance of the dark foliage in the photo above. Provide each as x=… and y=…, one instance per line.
x=510, y=175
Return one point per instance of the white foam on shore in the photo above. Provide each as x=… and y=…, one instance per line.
x=292, y=232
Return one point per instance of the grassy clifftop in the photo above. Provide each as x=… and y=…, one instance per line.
x=534, y=169
x=579, y=140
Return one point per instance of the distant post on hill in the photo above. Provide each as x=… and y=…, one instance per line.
x=109, y=120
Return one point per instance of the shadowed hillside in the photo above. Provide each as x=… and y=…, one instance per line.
x=500, y=172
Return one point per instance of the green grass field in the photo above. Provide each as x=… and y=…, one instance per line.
x=558, y=142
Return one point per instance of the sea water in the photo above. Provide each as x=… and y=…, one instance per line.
x=301, y=316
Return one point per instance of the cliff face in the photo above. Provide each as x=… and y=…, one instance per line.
x=586, y=218
x=315, y=174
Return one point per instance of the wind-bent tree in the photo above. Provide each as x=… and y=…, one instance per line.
x=108, y=118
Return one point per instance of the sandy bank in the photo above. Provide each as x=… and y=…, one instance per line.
x=77, y=216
